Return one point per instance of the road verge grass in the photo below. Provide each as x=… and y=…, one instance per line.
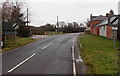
x=99, y=55
x=11, y=44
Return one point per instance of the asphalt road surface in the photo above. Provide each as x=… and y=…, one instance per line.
x=51, y=55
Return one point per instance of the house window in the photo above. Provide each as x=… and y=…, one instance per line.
x=104, y=28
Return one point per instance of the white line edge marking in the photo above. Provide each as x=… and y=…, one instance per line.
x=74, y=69
x=47, y=46
x=73, y=57
x=80, y=45
x=74, y=39
x=21, y=63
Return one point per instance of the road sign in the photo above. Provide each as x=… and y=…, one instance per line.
x=113, y=20
x=15, y=26
x=114, y=28
x=1, y=43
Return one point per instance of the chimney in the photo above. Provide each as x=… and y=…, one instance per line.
x=107, y=14
x=90, y=17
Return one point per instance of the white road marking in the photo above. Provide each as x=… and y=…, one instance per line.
x=59, y=39
x=73, y=57
x=80, y=45
x=74, y=70
x=73, y=52
x=47, y=46
x=74, y=39
x=79, y=59
x=21, y=63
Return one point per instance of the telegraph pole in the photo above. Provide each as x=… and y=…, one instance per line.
x=57, y=22
x=118, y=37
x=27, y=16
x=118, y=32
x=57, y=25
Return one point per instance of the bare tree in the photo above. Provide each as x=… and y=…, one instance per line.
x=87, y=23
x=81, y=25
x=75, y=24
x=16, y=11
x=12, y=10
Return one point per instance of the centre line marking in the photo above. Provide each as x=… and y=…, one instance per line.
x=21, y=63
x=47, y=46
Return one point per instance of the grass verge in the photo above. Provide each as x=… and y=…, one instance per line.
x=11, y=44
x=99, y=55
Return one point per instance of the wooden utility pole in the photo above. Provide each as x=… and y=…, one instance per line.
x=27, y=16
x=57, y=22
x=57, y=25
x=118, y=32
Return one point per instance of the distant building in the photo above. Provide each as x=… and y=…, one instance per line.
x=61, y=24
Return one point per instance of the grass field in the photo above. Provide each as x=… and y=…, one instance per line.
x=99, y=55
x=11, y=44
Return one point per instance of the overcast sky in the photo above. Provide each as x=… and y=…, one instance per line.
x=46, y=11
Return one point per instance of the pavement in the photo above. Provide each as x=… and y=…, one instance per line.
x=52, y=55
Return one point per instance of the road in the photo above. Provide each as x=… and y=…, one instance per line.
x=51, y=55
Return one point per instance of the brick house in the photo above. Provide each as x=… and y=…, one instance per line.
x=107, y=30
x=99, y=26
x=93, y=29
x=94, y=21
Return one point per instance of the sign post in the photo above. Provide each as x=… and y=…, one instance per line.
x=113, y=21
x=118, y=32
x=15, y=27
x=114, y=35
x=118, y=37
